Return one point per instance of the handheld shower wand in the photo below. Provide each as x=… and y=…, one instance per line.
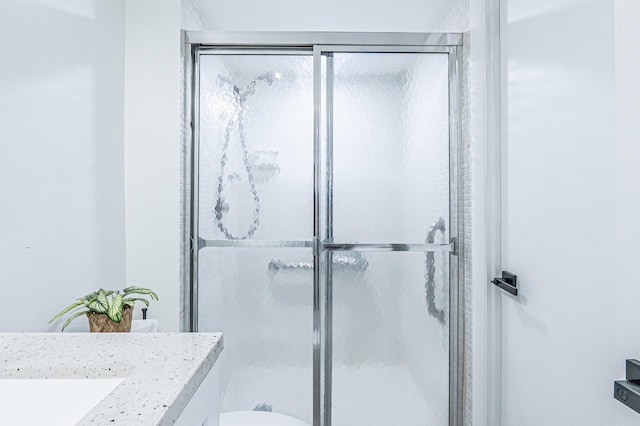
x=221, y=206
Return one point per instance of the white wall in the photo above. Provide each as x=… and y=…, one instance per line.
x=330, y=15
x=152, y=153
x=558, y=228
x=61, y=155
x=570, y=183
x=559, y=178
x=627, y=207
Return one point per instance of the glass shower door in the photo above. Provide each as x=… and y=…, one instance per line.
x=254, y=227
x=324, y=220
x=387, y=202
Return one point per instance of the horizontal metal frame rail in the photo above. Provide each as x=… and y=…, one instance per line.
x=322, y=246
x=205, y=50
x=297, y=39
x=384, y=49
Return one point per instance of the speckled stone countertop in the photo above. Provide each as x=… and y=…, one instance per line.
x=161, y=371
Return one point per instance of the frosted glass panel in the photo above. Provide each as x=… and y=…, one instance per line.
x=390, y=356
x=390, y=145
x=256, y=147
x=262, y=300
x=384, y=163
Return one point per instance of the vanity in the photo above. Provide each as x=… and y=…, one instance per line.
x=110, y=378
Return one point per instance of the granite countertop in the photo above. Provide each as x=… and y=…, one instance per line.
x=161, y=371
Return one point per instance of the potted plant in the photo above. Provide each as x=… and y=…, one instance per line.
x=107, y=310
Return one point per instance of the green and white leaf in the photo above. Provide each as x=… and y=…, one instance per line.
x=92, y=295
x=100, y=304
x=140, y=290
x=67, y=309
x=88, y=296
x=134, y=299
x=115, y=307
x=72, y=317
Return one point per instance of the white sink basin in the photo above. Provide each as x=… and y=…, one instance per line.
x=52, y=402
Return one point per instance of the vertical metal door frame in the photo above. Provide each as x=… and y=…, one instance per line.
x=328, y=237
x=456, y=223
x=318, y=335
x=193, y=248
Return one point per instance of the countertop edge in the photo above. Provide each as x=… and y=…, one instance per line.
x=197, y=377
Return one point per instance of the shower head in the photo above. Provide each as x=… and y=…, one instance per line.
x=269, y=77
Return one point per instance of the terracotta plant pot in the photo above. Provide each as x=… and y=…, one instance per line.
x=101, y=323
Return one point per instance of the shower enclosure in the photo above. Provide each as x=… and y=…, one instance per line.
x=324, y=223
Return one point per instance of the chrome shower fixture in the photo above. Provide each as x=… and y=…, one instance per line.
x=269, y=77
x=221, y=206
x=344, y=262
x=241, y=95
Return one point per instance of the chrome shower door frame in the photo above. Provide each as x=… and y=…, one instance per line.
x=319, y=45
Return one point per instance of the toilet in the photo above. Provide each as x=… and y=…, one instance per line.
x=258, y=418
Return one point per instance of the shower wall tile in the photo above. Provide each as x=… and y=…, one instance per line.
x=456, y=18
x=466, y=232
